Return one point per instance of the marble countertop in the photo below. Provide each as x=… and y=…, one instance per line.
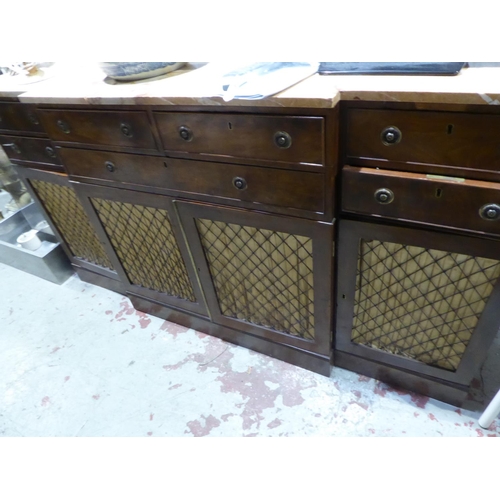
x=478, y=85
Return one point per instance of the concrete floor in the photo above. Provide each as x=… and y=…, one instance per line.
x=78, y=360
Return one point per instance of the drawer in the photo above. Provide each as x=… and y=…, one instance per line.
x=444, y=201
x=454, y=139
x=260, y=185
x=18, y=117
x=107, y=128
x=29, y=149
x=292, y=139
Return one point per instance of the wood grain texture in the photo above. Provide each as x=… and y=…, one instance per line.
x=264, y=186
x=244, y=136
x=29, y=149
x=99, y=127
x=18, y=117
x=465, y=140
x=444, y=201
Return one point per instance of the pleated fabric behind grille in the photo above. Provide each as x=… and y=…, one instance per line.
x=420, y=303
x=68, y=215
x=261, y=276
x=143, y=240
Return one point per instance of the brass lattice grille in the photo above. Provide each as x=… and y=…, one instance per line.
x=143, y=239
x=420, y=303
x=70, y=219
x=260, y=276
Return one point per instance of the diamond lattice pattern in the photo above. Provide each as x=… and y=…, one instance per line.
x=260, y=276
x=70, y=219
x=143, y=240
x=420, y=303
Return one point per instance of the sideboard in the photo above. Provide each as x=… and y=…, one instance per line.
x=364, y=235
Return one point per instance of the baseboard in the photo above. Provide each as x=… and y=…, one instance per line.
x=310, y=361
x=447, y=392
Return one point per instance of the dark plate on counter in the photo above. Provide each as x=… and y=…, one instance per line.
x=390, y=68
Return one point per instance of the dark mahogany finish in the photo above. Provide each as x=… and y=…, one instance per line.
x=416, y=226
x=28, y=149
x=444, y=201
x=465, y=141
x=260, y=186
x=351, y=233
x=18, y=117
x=283, y=163
x=293, y=139
x=274, y=172
x=110, y=128
x=321, y=264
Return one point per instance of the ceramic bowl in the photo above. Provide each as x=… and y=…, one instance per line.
x=131, y=71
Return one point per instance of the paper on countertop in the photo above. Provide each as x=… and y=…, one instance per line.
x=254, y=80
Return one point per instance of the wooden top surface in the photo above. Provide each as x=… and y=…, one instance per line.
x=79, y=85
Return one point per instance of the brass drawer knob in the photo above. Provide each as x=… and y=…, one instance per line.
x=186, y=133
x=384, y=196
x=33, y=119
x=63, y=126
x=15, y=148
x=391, y=136
x=282, y=140
x=110, y=166
x=126, y=129
x=239, y=183
x=50, y=152
x=491, y=211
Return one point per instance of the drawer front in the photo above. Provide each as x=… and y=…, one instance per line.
x=107, y=128
x=445, y=201
x=29, y=149
x=270, y=186
x=455, y=139
x=292, y=139
x=18, y=117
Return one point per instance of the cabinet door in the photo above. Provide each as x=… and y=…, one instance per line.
x=68, y=219
x=417, y=300
x=265, y=275
x=145, y=244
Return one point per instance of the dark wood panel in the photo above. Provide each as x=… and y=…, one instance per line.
x=19, y=117
x=244, y=136
x=260, y=186
x=112, y=128
x=445, y=201
x=29, y=149
x=99, y=280
x=441, y=138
